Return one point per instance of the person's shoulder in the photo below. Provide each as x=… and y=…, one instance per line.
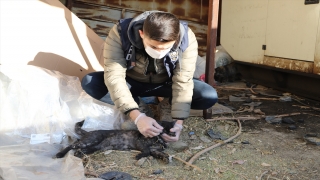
x=192, y=42
x=114, y=33
x=190, y=33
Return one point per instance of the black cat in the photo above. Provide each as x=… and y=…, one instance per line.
x=119, y=140
x=227, y=73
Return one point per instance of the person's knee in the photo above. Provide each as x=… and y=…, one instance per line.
x=93, y=80
x=93, y=84
x=210, y=96
x=85, y=81
x=205, y=96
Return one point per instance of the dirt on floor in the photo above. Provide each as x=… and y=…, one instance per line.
x=263, y=150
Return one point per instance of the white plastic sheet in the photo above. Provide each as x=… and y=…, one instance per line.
x=20, y=160
x=35, y=162
x=41, y=102
x=221, y=58
x=38, y=101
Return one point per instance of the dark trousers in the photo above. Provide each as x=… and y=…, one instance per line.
x=204, y=95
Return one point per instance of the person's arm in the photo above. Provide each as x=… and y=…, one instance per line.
x=114, y=76
x=182, y=80
x=182, y=86
x=115, y=72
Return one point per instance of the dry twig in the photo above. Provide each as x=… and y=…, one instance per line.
x=314, y=108
x=273, y=178
x=233, y=171
x=237, y=88
x=292, y=114
x=295, y=99
x=179, y=159
x=234, y=118
x=260, y=178
x=261, y=98
x=91, y=173
x=196, y=156
x=196, y=167
x=257, y=117
x=311, y=114
x=289, y=114
x=252, y=90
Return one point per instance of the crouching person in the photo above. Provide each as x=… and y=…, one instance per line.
x=153, y=54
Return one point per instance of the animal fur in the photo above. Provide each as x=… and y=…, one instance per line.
x=93, y=141
x=227, y=73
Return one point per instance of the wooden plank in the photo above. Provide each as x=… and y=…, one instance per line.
x=101, y=13
x=211, y=47
x=212, y=40
x=100, y=28
x=197, y=13
x=102, y=18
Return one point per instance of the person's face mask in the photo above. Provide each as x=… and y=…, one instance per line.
x=156, y=49
x=155, y=53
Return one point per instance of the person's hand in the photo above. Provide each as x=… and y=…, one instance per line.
x=177, y=128
x=148, y=126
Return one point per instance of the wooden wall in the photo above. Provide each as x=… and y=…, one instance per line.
x=101, y=15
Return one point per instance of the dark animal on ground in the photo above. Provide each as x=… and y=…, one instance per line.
x=227, y=73
x=123, y=140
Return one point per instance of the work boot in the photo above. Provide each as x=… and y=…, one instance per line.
x=128, y=124
x=164, y=109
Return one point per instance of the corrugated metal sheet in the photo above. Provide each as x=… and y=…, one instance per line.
x=101, y=15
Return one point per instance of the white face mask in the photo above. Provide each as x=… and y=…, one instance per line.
x=157, y=54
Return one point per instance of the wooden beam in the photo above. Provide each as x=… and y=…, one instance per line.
x=213, y=18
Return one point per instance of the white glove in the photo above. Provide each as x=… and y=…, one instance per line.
x=147, y=126
x=177, y=128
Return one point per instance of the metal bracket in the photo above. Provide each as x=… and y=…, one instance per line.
x=264, y=47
